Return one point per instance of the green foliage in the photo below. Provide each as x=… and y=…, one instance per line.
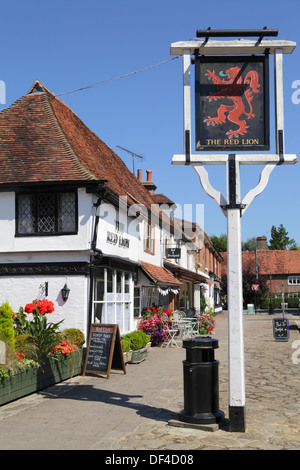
x=20, y=322
x=249, y=278
x=45, y=333
x=7, y=333
x=26, y=344
x=137, y=340
x=74, y=336
x=249, y=244
x=220, y=243
x=125, y=342
x=292, y=302
x=280, y=239
x=264, y=303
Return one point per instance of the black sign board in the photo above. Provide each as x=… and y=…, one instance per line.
x=281, y=331
x=104, y=351
x=232, y=103
x=173, y=253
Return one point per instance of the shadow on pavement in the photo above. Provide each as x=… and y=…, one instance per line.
x=89, y=393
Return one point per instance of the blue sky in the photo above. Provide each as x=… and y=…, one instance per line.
x=69, y=44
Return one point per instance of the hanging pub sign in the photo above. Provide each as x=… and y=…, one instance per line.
x=232, y=103
x=174, y=253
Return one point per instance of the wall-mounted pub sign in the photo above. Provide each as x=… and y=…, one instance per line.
x=232, y=103
x=174, y=253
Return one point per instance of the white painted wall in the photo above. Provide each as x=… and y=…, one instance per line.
x=10, y=243
x=20, y=290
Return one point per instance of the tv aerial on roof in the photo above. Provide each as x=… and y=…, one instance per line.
x=133, y=156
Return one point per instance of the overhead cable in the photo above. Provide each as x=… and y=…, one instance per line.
x=118, y=78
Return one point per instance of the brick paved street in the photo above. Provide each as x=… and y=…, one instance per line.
x=131, y=412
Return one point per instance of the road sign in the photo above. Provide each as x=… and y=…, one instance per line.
x=255, y=287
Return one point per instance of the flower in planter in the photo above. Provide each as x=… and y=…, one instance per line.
x=45, y=333
x=64, y=348
x=152, y=325
x=20, y=356
x=206, y=324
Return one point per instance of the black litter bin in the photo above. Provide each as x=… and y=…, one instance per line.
x=201, y=382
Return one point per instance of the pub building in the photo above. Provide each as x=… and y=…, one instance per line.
x=78, y=227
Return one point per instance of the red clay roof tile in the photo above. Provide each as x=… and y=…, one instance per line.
x=160, y=275
x=42, y=140
x=269, y=261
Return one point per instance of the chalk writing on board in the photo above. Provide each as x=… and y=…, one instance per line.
x=281, y=330
x=104, y=350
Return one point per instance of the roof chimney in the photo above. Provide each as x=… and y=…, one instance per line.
x=149, y=183
x=261, y=243
x=140, y=175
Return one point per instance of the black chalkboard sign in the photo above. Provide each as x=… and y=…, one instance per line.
x=104, y=351
x=281, y=330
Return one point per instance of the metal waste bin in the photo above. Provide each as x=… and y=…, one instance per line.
x=201, y=382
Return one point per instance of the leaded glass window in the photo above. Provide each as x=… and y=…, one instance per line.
x=46, y=213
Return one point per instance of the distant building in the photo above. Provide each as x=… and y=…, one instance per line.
x=280, y=267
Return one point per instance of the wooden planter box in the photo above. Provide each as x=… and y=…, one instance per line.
x=32, y=380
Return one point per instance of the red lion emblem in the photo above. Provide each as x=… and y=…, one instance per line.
x=233, y=88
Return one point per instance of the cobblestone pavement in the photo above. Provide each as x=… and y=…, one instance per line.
x=131, y=411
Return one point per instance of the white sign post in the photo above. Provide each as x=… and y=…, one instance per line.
x=232, y=206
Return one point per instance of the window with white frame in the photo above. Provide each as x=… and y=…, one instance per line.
x=137, y=302
x=149, y=237
x=113, y=297
x=293, y=280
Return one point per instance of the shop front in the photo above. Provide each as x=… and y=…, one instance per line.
x=158, y=286
x=189, y=296
x=113, y=293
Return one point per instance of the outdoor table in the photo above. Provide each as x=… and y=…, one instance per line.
x=193, y=326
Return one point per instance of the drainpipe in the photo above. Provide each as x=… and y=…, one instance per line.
x=102, y=192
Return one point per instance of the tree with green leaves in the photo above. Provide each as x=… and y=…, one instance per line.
x=279, y=239
x=220, y=243
x=249, y=245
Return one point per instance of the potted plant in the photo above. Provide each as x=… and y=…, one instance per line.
x=206, y=323
x=43, y=354
x=136, y=344
x=153, y=325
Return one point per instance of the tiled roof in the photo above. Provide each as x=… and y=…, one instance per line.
x=269, y=262
x=185, y=273
x=160, y=198
x=160, y=275
x=43, y=140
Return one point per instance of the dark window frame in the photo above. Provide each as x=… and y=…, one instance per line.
x=35, y=194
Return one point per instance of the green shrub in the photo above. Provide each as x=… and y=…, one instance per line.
x=138, y=340
x=125, y=342
x=145, y=338
x=293, y=302
x=74, y=336
x=7, y=333
x=26, y=344
x=264, y=303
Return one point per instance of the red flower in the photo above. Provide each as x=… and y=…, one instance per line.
x=43, y=306
x=20, y=356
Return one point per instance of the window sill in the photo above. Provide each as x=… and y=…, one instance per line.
x=56, y=234
x=150, y=252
